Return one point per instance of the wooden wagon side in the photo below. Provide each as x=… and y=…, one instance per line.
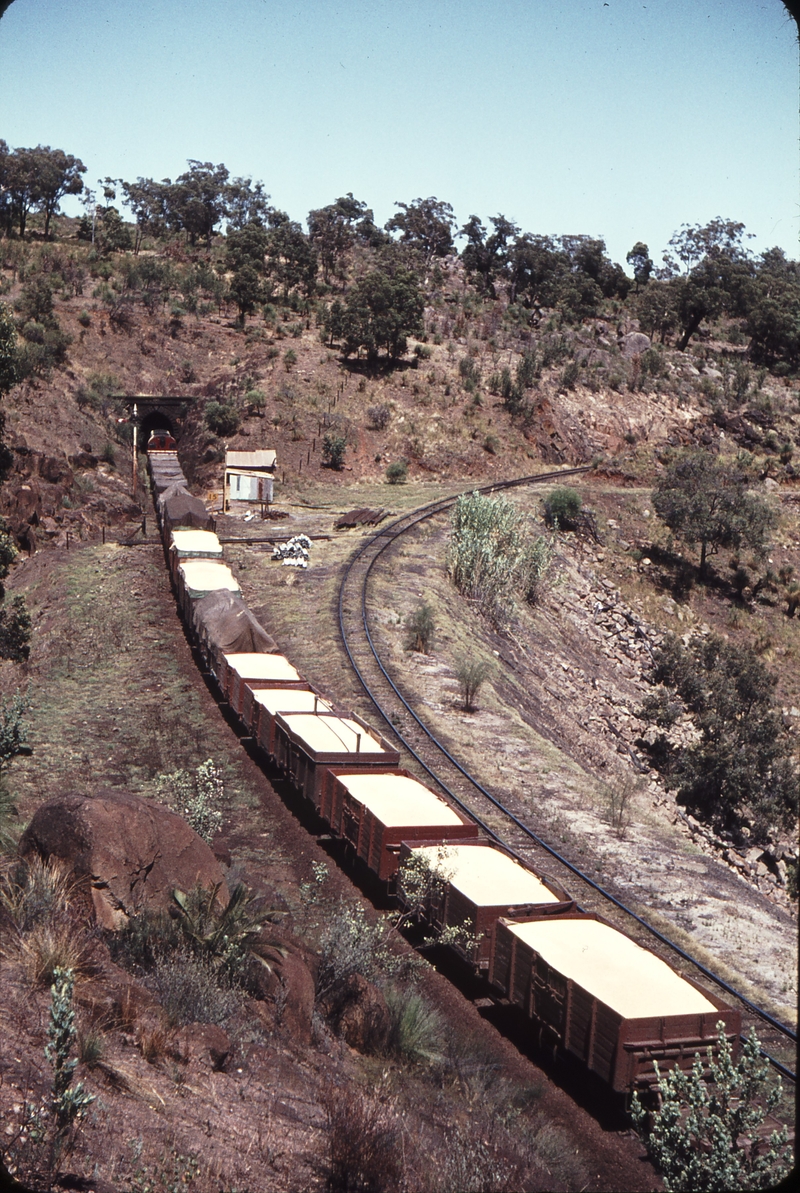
x=254, y=669
x=377, y=837
x=569, y=1014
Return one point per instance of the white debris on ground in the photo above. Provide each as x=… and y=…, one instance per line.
x=294, y=552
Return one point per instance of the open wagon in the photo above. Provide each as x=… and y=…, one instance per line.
x=376, y=811
x=479, y=883
x=197, y=578
x=192, y=544
x=267, y=703
x=605, y=999
x=239, y=675
x=307, y=745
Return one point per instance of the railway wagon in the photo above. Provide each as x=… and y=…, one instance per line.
x=377, y=811
x=307, y=745
x=192, y=544
x=479, y=883
x=240, y=673
x=267, y=703
x=221, y=623
x=177, y=507
x=594, y=992
x=197, y=578
x=165, y=472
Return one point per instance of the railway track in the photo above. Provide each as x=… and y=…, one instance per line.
x=505, y=822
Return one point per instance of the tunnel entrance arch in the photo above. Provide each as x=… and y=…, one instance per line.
x=155, y=421
x=153, y=412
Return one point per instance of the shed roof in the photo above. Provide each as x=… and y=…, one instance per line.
x=206, y=575
x=606, y=963
x=487, y=876
x=399, y=801
x=194, y=542
x=333, y=735
x=261, y=666
x=259, y=459
x=284, y=700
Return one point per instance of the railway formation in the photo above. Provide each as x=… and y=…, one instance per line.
x=463, y=788
x=612, y=1028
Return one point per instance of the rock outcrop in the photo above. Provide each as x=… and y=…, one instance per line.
x=358, y=1013
x=133, y=852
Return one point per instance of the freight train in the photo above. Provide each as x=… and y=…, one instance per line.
x=584, y=987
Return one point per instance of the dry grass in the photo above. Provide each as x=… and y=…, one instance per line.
x=34, y=890
x=60, y=944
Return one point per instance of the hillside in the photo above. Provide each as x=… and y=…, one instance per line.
x=486, y=389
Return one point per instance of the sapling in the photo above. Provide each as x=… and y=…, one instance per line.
x=68, y=1102
x=708, y=1134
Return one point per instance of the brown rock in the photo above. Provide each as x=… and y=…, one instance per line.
x=27, y=505
x=205, y=1044
x=134, y=852
x=84, y=459
x=298, y=992
x=54, y=470
x=358, y=1013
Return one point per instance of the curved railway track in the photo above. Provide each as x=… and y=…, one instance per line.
x=463, y=788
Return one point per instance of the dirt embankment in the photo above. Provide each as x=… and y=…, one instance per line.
x=117, y=699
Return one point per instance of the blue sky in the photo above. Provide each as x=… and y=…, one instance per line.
x=619, y=119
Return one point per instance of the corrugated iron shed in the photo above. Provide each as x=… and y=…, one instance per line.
x=266, y=459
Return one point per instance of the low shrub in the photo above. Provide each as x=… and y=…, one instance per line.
x=397, y=472
x=189, y=990
x=379, y=416
x=222, y=418
x=198, y=798
x=416, y=1029
x=471, y=674
x=256, y=401
x=33, y=891
x=420, y=625
x=562, y=508
x=13, y=728
x=333, y=449
x=364, y=1143
x=59, y=943
x=570, y=375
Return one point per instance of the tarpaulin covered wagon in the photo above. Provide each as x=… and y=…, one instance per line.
x=480, y=883
x=221, y=623
x=192, y=544
x=600, y=996
x=177, y=507
x=375, y=812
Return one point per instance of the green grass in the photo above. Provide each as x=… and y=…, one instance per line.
x=115, y=696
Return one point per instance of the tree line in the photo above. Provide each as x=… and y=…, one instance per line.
x=707, y=271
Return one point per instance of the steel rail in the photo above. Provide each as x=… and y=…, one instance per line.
x=419, y=515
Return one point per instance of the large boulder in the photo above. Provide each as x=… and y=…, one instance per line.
x=634, y=343
x=133, y=851
x=358, y=1013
